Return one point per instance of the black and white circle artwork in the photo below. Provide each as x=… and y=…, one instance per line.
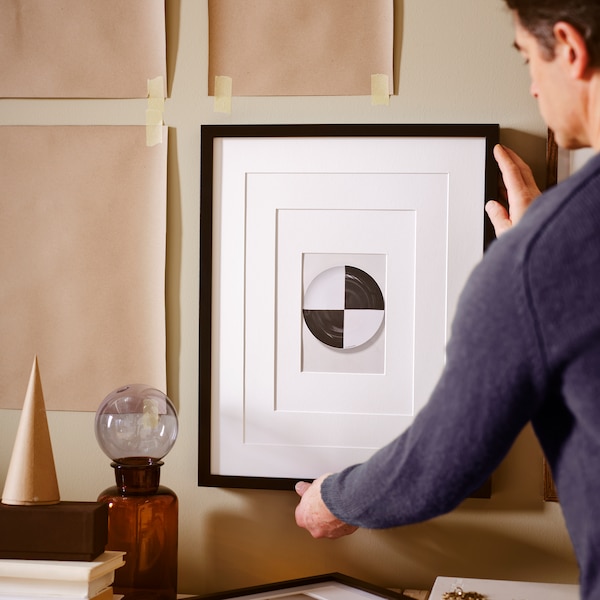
x=343, y=307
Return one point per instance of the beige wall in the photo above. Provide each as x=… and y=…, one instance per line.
x=455, y=63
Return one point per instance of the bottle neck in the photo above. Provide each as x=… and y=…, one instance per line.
x=137, y=476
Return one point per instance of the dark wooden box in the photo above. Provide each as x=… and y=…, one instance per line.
x=63, y=531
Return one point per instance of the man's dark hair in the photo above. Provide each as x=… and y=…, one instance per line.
x=540, y=16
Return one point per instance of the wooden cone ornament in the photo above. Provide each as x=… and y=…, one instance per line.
x=31, y=477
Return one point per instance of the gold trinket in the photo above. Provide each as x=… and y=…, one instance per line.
x=459, y=594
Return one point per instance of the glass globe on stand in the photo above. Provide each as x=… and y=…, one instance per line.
x=136, y=426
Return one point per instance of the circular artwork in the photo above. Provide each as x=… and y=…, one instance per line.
x=343, y=307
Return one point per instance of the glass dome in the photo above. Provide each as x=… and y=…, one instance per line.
x=136, y=422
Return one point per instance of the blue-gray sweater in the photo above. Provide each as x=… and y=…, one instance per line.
x=525, y=346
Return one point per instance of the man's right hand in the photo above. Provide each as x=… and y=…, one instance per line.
x=314, y=516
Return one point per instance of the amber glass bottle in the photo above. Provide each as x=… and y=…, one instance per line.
x=142, y=521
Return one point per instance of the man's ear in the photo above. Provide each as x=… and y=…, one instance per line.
x=571, y=47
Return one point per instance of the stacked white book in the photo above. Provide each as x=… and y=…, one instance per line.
x=59, y=579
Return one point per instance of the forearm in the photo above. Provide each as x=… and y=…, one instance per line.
x=482, y=401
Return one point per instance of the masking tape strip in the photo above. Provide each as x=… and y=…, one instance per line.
x=380, y=90
x=223, y=93
x=156, y=87
x=154, y=127
x=156, y=104
x=154, y=111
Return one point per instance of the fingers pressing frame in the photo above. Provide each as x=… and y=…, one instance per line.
x=498, y=216
x=521, y=189
x=516, y=172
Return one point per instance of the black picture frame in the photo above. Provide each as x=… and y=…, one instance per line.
x=305, y=585
x=211, y=133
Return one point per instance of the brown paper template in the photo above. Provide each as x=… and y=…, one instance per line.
x=82, y=261
x=300, y=47
x=81, y=48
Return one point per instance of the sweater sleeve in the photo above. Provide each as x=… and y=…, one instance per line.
x=488, y=391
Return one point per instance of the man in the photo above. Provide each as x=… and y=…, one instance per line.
x=525, y=342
